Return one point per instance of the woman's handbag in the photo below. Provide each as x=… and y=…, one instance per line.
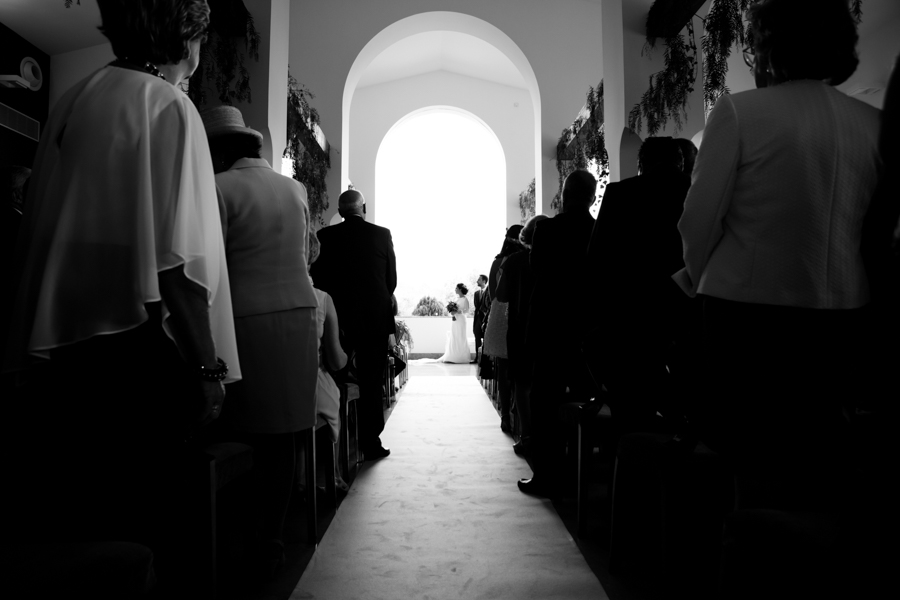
x=495, y=335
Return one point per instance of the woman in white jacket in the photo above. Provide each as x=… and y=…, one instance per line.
x=771, y=231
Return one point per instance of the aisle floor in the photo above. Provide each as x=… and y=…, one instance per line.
x=442, y=516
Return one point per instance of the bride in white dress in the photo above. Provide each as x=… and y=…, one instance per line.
x=456, y=349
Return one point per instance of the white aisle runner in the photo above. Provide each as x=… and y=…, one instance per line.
x=442, y=516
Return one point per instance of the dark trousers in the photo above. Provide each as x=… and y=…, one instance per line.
x=371, y=361
x=775, y=382
x=96, y=445
x=477, y=324
x=552, y=374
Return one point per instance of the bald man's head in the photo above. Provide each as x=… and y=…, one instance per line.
x=351, y=203
x=579, y=190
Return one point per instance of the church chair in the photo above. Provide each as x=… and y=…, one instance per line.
x=348, y=453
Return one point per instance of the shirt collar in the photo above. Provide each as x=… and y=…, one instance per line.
x=245, y=163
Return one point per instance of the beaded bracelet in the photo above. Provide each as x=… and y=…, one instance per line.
x=217, y=374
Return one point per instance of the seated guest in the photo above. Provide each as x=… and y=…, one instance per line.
x=771, y=232
x=515, y=287
x=331, y=358
x=634, y=251
x=124, y=302
x=559, y=304
x=265, y=219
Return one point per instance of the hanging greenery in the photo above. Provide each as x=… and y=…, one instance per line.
x=311, y=161
x=526, y=202
x=582, y=145
x=231, y=32
x=666, y=98
x=670, y=89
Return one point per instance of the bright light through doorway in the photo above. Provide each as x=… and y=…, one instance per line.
x=440, y=180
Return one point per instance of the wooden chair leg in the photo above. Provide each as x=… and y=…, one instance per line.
x=311, y=508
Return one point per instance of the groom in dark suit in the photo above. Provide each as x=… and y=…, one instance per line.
x=478, y=319
x=358, y=269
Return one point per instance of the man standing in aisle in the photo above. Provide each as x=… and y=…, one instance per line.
x=357, y=267
x=478, y=319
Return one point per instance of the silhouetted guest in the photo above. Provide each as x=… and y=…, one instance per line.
x=556, y=317
x=497, y=324
x=265, y=223
x=357, y=267
x=634, y=251
x=771, y=232
x=515, y=287
x=688, y=153
x=332, y=359
x=124, y=302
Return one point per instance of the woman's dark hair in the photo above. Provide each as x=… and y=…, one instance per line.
x=659, y=152
x=157, y=31
x=232, y=147
x=511, y=243
x=804, y=39
x=688, y=152
x=462, y=286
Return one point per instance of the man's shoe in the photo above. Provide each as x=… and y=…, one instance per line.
x=534, y=487
x=520, y=450
x=376, y=453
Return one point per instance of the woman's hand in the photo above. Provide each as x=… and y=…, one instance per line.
x=213, y=398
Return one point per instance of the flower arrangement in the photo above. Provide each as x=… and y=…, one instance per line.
x=452, y=308
x=404, y=336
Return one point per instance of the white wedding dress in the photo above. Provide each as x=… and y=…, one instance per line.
x=456, y=350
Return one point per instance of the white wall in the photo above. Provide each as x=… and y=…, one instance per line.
x=561, y=40
x=375, y=109
x=429, y=334
x=69, y=68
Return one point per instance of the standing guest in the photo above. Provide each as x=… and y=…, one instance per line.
x=358, y=269
x=515, y=287
x=478, y=317
x=635, y=249
x=123, y=325
x=332, y=359
x=266, y=223
x=689, y=154
x=771, y=232
x=558, y=305
x=498, y=322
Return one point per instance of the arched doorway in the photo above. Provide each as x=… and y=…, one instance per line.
x=441, y=58
x=440, y=174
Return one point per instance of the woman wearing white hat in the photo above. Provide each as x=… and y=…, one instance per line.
x=265, y=219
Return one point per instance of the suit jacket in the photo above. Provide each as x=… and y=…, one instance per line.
x=558, y=257
x=635, y=249
x=265, y=220
x=479, y=314
x=780, y=189
x=516, y=287
x=357, y=267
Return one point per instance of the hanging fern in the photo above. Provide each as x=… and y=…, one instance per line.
x=583, y=143
x=231, y=32
x=526, y=201
x=725, y=30
x=669, y=90
x=311, y=162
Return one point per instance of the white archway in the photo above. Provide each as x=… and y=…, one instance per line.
x=440, y=171
x=439, y=21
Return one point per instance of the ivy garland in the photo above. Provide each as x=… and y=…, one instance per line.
x=231, y=30
x=526, y=201
x=311, y=163
x=586, y=133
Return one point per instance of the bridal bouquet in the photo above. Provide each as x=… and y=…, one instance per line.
x=452, y=308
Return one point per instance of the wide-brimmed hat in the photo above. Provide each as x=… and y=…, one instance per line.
x=226, y=120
